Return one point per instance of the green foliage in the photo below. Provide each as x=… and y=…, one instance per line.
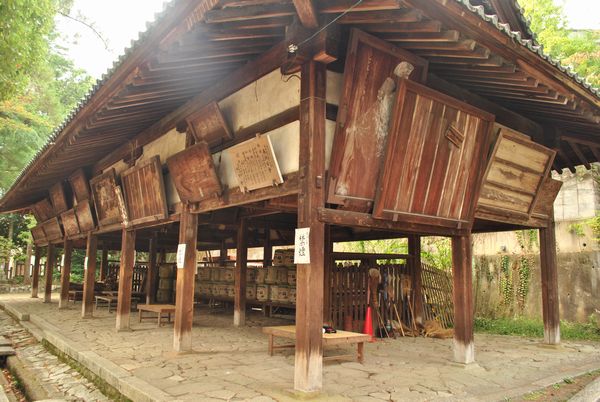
x=437, y=251
x=386, y=246
x=535, y=328
x=595, y=225
x=578, y=49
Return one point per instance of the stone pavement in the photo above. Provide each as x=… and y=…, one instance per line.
x=231, y=363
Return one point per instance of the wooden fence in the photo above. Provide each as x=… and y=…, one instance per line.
x=437, y=294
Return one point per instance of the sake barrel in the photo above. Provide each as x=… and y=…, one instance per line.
x=230, y=291
x=165, y=284
x=271, y=275
x=292, y=294
x=165, y=270
x=260, y=275
x=215, y=274
x=262, y=292
x=214, y=289
x=222, y=290
x=282, y=275
x=250, y=275
x=278, y=257
x=204, y=274
x=280, y=293
x=291, y=276
x=251, y=292
x=288, y=257
x=227, y=274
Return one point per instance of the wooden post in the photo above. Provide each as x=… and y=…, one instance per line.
x=65, y=275
x=89, y=276
x=26, y=277
x=35, y=275
x=184, y=297
x=268, y=248
x=414, y=249
x=125, y=279
x=308, y=373
x=223, y=253
x=328, y=244
x=241, y=263
x=464, y=350
x=152, y=271
x=104, y=263
x=50, y=262
x=549, y=270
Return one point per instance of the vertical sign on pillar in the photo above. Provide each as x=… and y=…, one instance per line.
x=302, y=246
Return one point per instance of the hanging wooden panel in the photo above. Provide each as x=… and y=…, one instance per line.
x=545, y=201
x=79, y=185
x=434, y=160
x=85, y=217
x=209, y=125
x=108, y=199
x=144, y=192
x=53, y=230
x=514, y=177
x=37, y=232
x=42, y=210
x=58, y=198
x=70, y=224
x=193, y=173
x=362, y=122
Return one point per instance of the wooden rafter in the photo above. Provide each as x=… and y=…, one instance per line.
x=307, y=13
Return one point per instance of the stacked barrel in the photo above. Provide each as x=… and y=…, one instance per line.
x=166, y=283
x=214, y=280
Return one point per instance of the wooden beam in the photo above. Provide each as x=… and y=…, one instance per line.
x=89, y=276
x=241, y=262
x=50, y=262
x=307, y=13
x=267, y=248
x=35, y=275
x=65, y=275
x=382, y=17
x=580, y=156
x=549, y=270
x=184, y=294
x=464, y=349
x=125, y=279
x=414, y=249
x=104, y=263
x=308, y=373
x=151, y=275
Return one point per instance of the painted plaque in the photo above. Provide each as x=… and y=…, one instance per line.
x=209, y=125
x=254, y=164
x=108, y=199
x=79, y=185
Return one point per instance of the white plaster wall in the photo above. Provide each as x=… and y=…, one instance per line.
x=579, y=197
x=335, y=82
x=164, y=146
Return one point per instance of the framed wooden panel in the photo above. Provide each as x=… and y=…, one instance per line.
x=69, y=222
x=144, y=192
x=58, y=198
x=108, y=199
x=362, y=121
x=545, y=200
x=79, y=185
x=53, y=230
x=514, y=177
x=85, y=217
x=254, y=164
x=435, y=157
x=193, y=173
x=209, y=125
x=42, y=210
x=37, y=232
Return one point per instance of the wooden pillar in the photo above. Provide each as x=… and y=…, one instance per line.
x=414, y=250
x=268, y=248
x=125, y=279
x=223, y=253
x=308, y=373
x=464, y=349
x=104, y=263
x=549, y=268
x=184, y=297
x=26, y=277
x=328, y=244
x=50, y=262
x=89, y=276
x=241, y=263
x=151, y=275
x=65, y=275
x=35, y=275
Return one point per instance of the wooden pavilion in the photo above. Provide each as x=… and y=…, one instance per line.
x=238, y=121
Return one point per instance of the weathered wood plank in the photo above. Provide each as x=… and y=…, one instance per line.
x=464, y=349
x=549, y=269
x=42, y=210
x=209, y=125
x=69, y=222
x=80, y=185
x=85, y=217
x=58, y=198
x=125, y=279
x=108, y=199
x=89, y=276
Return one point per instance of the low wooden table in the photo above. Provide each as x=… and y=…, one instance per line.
x=339, y=338
x=160, y=309
x=75, y=295
x=106, y=300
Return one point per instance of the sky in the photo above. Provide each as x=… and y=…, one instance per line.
x=119, y=21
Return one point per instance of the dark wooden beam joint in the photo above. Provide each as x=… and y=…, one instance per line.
x=307, y=13
x=309, y=44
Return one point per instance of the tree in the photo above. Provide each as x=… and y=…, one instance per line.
x=579, y=49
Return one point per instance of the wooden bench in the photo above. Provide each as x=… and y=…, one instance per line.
x=160, y=309
x=106, y=300
x=339, y=338
x=75, y=295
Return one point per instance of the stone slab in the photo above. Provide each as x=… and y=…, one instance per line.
x=7, y=351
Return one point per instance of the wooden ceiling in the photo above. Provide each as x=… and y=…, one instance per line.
x=196, y=44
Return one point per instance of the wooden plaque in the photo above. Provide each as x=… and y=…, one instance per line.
x=108, y=199
x=193, y=173
x=209, y=125
x=514, y=177
x=69, y=222
x=254, y=164
x=144, y=192
x=42, y=210
x=38, y=234
x=58, y=198
x=53, y=230
x=79, y=185
x=85, y=217
x=362, y=122
x=545, y=200
x=433, y=165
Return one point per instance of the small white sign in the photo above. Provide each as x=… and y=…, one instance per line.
x=180, y=255
x=302, y=246
x=85, y=263
x=62, y=261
